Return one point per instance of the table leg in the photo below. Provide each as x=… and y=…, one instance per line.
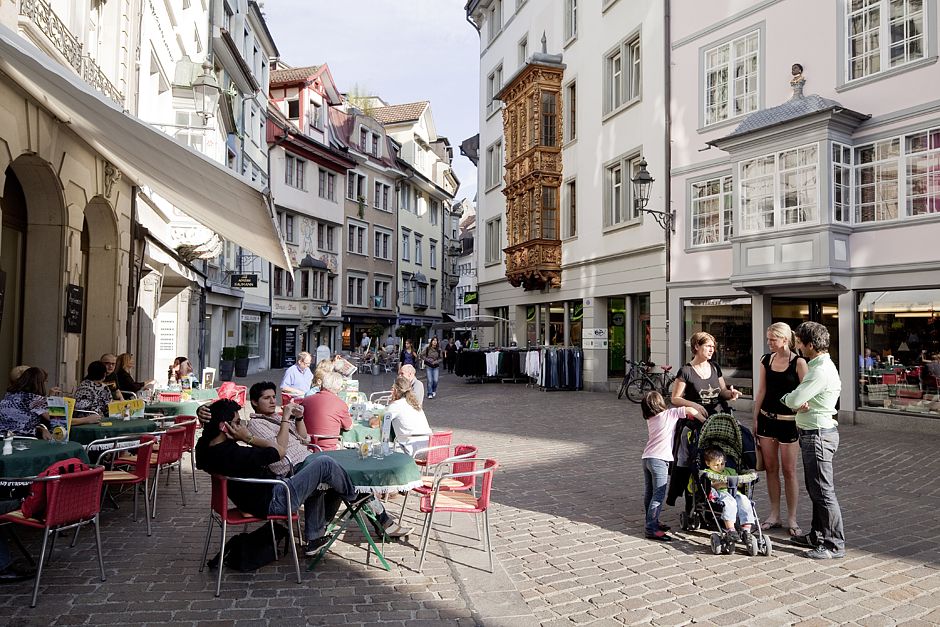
x=340, y=524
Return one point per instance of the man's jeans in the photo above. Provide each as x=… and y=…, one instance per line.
x=319, y=507
x=818, y=449
x=656, y=473
x=434, y=375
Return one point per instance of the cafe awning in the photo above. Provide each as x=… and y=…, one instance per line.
x=203, y=189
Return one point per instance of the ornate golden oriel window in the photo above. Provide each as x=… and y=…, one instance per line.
x=532, y=128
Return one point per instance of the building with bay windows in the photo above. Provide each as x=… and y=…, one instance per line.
x=570, y=104
x=806, y=185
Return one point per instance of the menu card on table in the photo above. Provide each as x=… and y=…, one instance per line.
x=135, y=408
x=60, y=417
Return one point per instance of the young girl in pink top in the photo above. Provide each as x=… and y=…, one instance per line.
x=661, y=423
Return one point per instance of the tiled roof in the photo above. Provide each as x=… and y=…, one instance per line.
x=294, y=74
x=394, y=114
x=790, y=110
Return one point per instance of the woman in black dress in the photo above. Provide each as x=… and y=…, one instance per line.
x=699, y=383
x=775, y=423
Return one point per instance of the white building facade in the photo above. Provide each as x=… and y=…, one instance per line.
x=611, y=271
x=805, y=182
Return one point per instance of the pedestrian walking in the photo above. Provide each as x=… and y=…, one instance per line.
x=432, y=365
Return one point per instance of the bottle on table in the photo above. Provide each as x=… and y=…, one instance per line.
x=366, y=447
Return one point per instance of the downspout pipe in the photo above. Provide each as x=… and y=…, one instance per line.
x=667, y=142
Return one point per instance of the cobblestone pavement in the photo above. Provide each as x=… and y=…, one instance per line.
x=567, y=530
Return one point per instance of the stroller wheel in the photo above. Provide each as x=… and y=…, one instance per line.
x=716, y=544
x=751, y=545
x=684, y=521
x=768, y=546
x=694, y=522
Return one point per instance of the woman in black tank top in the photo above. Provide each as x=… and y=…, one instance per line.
x=775, y=425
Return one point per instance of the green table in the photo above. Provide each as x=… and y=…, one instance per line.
x=395, y=472
x=37, y=456
x=204, y=395
x=86, y=434
x=169, y=408
x=358, y=432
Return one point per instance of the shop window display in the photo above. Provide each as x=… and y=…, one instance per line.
x=899, y=358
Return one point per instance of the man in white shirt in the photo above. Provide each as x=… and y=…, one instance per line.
x=298, y=378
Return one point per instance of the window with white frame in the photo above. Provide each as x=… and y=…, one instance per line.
x=316, y=115
x=320, y=281
x=571, y=19
x=356, y=290
x=494, y=82
x=374, y=150
x=712, y=202
x=622, y=74
x=571, y=208
x=523, y=49
x=325, y=237
x=494, y=164
x=732, y=72
x=327, y=184
x=432, y=253
x=304, y=280
x=419, y=241
x=380, y=294
x=404, y=200
x=494, y=233
x=294, y=171
x=495, y=20
x=363, y=139
x=421, y=295
x=289, y=228
x=383, y=244
x=355, y=186
x=571, y=111
x=433, y=298
x=922, y=172
x=357, y=235
x=377, y=195
x=618, y=191
x=406, y=288
x=386, y=189
x=405, y=245
x=882, y=34
x=841, y=183
x=780, y=189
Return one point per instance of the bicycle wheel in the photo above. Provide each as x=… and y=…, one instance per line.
x=623, y=387
x=638, y=388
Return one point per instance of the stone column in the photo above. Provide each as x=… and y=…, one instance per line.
x=595, y=346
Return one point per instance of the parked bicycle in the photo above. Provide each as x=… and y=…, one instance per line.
x=639, y=380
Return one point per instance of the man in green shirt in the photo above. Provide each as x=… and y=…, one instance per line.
x=815, y=400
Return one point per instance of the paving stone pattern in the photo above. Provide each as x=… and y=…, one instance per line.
x=567, y=529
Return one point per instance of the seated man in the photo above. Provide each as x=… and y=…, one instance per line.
x=298, y=378
x=219, y=451
x=325, y=413
x=265, y=423
x=408, y=371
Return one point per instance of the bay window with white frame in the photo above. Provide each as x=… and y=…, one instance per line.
x=732, y=72
x=712, y=203
x=780, y=189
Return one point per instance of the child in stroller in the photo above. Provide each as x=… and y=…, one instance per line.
x=722, y=466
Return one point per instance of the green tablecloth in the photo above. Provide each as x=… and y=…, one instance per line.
x=168, y=408
x=37, y=457
x=86, y=434
x=393, y=473
x=205, y=395
x=359, y=431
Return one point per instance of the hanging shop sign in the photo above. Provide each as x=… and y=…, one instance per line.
x=74, y=301
x=244, y=280
x=471, y=298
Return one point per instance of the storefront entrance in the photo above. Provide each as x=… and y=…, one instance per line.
x=825, y=311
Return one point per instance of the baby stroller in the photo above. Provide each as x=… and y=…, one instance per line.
x=723, y=432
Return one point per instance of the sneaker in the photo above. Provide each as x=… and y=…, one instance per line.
x=822, y=553
x=397, y=531
x=731, y=535
x=659, y=536
x=805, y=540
x=313, y=546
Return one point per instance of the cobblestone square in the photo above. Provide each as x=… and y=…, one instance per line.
x=567, y=530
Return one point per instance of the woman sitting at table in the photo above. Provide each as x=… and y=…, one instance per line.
x=408, y=419
x=92, y=395
x=181, y=374
x=123, y=377
x=24, y=410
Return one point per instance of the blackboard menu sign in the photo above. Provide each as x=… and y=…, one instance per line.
x=74, y=299
x=290, y=345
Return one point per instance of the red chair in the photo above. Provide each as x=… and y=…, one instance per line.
x=450, y=455
x=138, y=474
x=434, y=453
x=191, y=423
x=72, y=500
x=170, y=397
x=169, y=455
x=889, y=379
x=224, y=516
x=237, y=393
x=326, y=442
x=461, y=502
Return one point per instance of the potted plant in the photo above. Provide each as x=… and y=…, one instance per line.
x=241, y=360
x=227, y=364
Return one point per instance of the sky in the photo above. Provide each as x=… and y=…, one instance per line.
x=400, y=50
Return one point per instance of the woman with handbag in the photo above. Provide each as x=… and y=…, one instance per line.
x=775, y=424
x=432, y=365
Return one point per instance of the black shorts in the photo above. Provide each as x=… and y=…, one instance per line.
x=783, y=431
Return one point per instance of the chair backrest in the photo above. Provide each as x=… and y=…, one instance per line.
x=219, y=499
x=142, y=461
x=467, y=451
x=128, y=395
x=439, y=438
x=74, y=497
x=483, y=501
x=237, y=393
x=172, y=445
x=890, y=379
x=170, y=397
x=191, y=423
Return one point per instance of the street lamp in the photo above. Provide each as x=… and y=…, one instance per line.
x=206, y=92
x=642, y=184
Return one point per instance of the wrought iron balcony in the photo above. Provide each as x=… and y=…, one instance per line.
x=40, y=13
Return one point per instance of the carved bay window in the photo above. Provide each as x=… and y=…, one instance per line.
x=532, y=127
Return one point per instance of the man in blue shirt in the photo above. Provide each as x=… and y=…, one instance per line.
x=298, y=378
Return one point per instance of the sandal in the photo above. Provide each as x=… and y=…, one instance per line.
x=795, y=532
x=767, y=526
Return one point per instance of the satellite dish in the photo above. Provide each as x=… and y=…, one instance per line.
x=325, y=310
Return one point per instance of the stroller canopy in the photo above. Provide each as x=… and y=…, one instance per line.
x=722, y=431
